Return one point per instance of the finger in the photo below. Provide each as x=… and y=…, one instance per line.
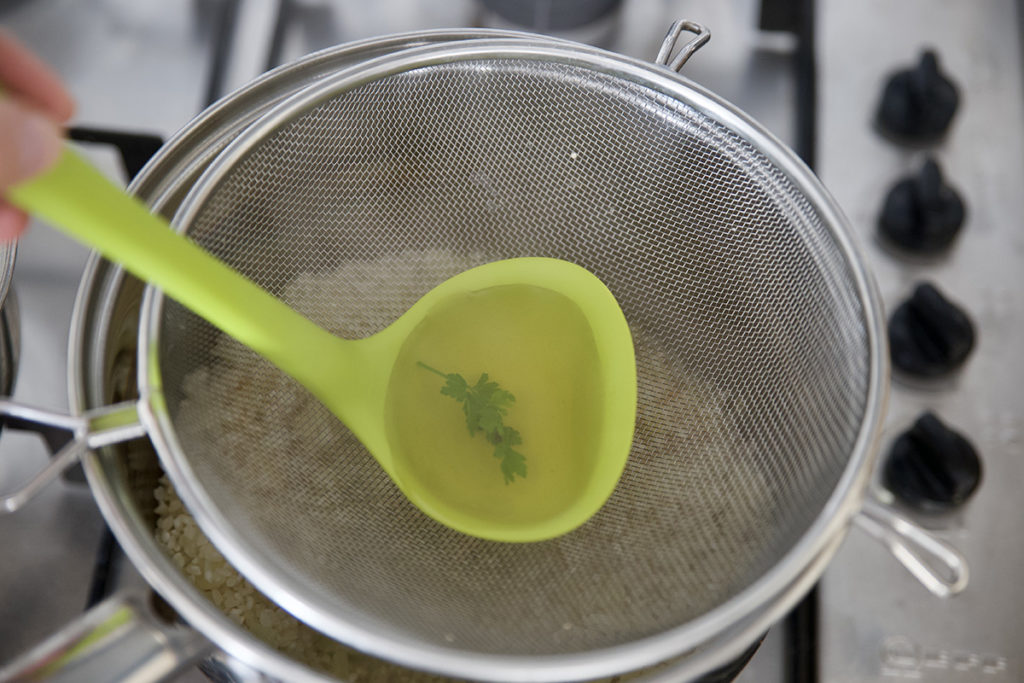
x=30, y=142
x=23, y=73
x=12, y=223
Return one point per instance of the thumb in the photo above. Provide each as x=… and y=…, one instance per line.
x=29, y=142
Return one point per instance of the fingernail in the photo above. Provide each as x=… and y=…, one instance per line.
x=38, y=144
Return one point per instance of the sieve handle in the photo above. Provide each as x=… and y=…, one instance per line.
x=940, y=567
x=121, y=639
x=67, y=437
x=664, y=58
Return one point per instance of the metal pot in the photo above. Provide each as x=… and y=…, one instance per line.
x=130, y=635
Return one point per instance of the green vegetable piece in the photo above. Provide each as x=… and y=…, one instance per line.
x=485, y=405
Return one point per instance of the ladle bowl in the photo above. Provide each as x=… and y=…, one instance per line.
x=351, y=377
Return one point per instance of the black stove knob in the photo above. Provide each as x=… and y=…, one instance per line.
x=922, y=214
x=918, y=104
x=931, y=467
x=928, y=335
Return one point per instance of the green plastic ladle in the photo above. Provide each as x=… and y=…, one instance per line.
x=351, y=376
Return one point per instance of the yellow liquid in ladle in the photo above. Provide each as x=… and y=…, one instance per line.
x=536, y=344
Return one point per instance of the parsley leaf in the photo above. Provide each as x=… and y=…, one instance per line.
x=485, y=406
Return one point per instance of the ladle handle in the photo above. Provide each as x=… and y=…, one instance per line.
x=77, y=198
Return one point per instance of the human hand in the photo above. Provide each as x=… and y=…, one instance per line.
x=33, y=106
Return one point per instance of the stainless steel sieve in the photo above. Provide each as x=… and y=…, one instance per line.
x=761, y=366
x=759, y=359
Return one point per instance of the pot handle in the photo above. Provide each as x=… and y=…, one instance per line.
x=664, y=58
x=940, y=567
x=121, y=639
x=68, y=437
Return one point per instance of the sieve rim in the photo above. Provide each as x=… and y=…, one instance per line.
x=842, y=504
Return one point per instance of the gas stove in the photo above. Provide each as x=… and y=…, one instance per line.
x=899, y=179
x=921, y=141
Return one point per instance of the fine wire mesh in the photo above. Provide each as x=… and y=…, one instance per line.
x=752, y=351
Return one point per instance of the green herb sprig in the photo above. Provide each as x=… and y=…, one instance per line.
x=485, y=405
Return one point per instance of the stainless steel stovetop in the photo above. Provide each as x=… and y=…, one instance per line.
x=877, y=623
x=146, y=66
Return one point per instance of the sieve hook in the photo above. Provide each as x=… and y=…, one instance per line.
x=703, y=35
x=938, y=566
